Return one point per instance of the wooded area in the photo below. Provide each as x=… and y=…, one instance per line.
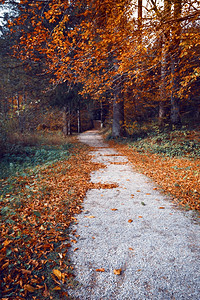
x=130, y=67
x=64, y=64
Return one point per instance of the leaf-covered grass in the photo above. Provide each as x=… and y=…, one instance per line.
x=30, y=150
x=171, y=158
x=37, y=205
x=173, y=143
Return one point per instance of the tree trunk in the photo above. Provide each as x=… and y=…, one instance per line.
x=118, y=117
x=78, y=121
x=165, y=67
x=65, y=120
x=69, y=121
x=175, y=66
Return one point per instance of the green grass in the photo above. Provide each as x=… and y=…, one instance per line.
x=32, y=151
x=171, y=144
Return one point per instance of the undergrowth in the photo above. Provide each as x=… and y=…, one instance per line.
x=170, y=143
x=28, y=151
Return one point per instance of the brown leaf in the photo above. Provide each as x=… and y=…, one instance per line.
x=130, y=220
x=161, y=207
x=114, y=209
x=26, y=271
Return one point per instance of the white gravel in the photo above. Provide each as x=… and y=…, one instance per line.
x=158, y=252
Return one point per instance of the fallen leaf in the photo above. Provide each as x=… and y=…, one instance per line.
x=90, y=217
x=74, y=241
x=148, y=193
x=131, y=249
x=26, y=271
x=57, y=273
x=76, y=249
x=161, y=207
x=57, y=288
x=140, y=217
x=138, y=191
x=143, y=203
x=29, y=288
x=114, y=209
x=6, y=242
x=100, y=270
x=130, y=221
x=117, y=271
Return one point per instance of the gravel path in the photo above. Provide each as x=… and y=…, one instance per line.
x=136, y=229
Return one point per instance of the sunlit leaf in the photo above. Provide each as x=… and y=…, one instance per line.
x=57, y=273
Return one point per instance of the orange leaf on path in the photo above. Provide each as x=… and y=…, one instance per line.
x=117, y=271
x=130, y=220
x=100, y=270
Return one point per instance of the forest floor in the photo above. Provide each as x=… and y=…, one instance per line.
x=39, y=202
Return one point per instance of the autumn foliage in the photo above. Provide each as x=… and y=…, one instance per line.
x=142, y=55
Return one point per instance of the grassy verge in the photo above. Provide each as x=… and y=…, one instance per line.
x=42, y=191
x=172, y=159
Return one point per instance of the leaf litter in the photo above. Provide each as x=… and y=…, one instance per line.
x=178, y=176
x=35, y=217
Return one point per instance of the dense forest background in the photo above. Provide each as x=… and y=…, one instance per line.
x=125, y=63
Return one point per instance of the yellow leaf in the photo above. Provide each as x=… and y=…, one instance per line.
x=57, y=273
x=117, y=271
x=29, y=288
x=90, y=217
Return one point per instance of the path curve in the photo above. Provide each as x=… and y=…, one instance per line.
x=136, y=229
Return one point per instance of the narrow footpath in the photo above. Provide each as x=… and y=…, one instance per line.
x=131, y=242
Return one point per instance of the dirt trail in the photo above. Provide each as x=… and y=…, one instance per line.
x=132, y=227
